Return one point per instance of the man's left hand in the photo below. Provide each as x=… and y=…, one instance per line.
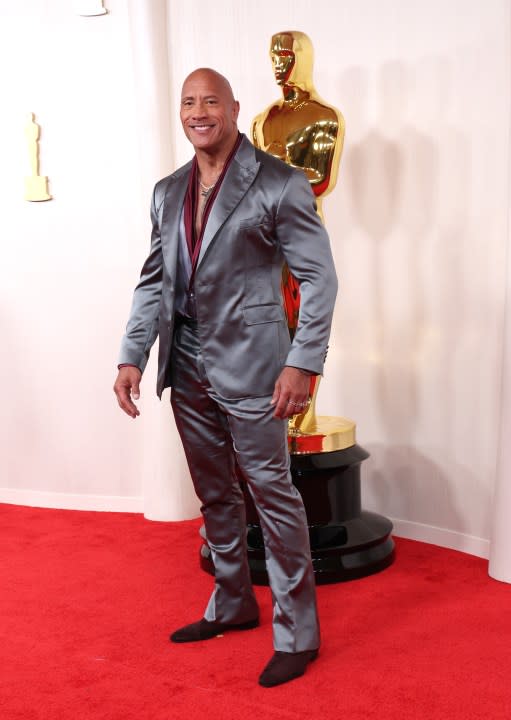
x=291, y=394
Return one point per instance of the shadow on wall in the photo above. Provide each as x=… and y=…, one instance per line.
x=412, y=486
x=407, y=189
x=390, y=175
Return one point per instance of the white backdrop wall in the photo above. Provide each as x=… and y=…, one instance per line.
x=419, y=226
x=418, y=222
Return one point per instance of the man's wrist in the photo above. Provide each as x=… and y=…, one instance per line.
x=309, y=373
x=123, y=365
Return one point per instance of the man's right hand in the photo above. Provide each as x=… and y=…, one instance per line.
x=127, y=385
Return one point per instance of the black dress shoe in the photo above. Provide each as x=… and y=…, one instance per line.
x=206, y=629
x=285, y=666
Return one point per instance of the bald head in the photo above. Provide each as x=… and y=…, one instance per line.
x=212, y=76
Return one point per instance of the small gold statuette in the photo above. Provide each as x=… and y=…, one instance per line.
x=89, y=8
x=307, y=133
x=36, y=186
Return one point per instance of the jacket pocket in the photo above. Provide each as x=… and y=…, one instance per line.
x=259, y=314
x=258, y=221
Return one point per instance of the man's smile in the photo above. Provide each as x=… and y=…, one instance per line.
x=202, y=127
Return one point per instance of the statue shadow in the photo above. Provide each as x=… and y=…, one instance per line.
x=392, y=178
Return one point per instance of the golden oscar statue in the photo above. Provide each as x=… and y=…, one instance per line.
x=346, y=541
x=307, y=133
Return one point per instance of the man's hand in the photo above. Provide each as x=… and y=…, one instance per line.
x=127, y=386
x=291, y=394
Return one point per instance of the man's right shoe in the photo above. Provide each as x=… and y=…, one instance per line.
x=206, y=629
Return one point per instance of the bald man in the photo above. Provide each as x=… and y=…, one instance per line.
x=223, y=225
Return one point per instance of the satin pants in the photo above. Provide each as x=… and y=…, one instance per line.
x=218, y=434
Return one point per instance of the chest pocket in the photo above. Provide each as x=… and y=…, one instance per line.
x=258, y=241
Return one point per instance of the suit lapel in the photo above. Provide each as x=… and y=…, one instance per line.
x=171, y=217
x=238, y=178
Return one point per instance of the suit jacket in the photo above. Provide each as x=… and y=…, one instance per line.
x=263, y=215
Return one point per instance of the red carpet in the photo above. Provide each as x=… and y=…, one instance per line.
x=88, y=600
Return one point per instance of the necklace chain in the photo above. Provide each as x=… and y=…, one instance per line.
x=205, y=189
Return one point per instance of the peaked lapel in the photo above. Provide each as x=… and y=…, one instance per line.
x=171, y=217
x=239, y=177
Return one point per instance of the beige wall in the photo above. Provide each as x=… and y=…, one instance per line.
x=68, y=266
x=418, y=221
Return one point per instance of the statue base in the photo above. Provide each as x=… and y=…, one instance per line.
x=36, y=188
x=346, y=542
x=326, y=434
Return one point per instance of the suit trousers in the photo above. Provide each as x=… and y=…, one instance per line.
x=219, y=434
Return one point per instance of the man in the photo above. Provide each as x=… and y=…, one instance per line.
x=223, y=225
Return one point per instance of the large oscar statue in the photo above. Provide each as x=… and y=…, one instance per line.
x=304, y=131
x=346, y=542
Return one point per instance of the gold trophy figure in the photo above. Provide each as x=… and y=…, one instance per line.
x=36, y=186
x=307, y=133
x=300, y=128
x=346, y=541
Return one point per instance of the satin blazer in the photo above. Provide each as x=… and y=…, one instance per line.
x=264, y=214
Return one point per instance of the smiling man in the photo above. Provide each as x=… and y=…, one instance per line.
x=223, y=226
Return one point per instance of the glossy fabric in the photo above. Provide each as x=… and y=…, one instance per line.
x=216, y=433
x=223, y=378
x=264, y=214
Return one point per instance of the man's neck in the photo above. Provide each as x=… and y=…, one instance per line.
x=212, y=163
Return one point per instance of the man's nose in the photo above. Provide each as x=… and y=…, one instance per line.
x=200, y=109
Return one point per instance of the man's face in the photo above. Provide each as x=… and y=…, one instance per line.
x=208, y=112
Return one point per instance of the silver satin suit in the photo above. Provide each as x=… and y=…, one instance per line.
x=222, y=372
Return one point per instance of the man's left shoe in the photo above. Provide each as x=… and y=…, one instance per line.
x=207, y=629
x=285, y=666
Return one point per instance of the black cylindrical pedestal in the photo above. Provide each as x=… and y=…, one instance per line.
x=346, y=542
